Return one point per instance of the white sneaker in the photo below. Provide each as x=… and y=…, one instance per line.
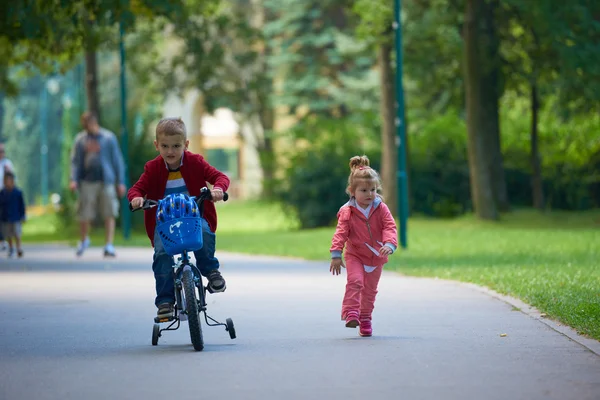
x=82, y=246
x=109, y=250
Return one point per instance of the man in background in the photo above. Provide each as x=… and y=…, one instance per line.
x=98, y=173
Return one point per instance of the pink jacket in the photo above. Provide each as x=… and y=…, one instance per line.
x=364, y=237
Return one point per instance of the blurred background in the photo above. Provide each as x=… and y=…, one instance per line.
x=500, y=98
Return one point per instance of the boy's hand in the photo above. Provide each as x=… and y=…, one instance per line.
x=217, y=194
x=137, y=202
x=385, y=250
x=73, y=186
x=335, y=267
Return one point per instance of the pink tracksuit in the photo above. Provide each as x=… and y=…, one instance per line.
x=363, y=237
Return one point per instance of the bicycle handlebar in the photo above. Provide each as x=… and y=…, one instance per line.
x=204, y=195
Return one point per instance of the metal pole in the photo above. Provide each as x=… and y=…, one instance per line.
x=44, y=144
x=66, y=138
x=126, y=217
x=400, y=128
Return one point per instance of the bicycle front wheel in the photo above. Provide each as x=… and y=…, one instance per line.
x=191, y=308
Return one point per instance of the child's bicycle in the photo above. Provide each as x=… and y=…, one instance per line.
x=179, y=224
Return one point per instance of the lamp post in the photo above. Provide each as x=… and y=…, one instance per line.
x=400, y=128
x=126, y=217
x=51, y=86
x=44, y=144
x=67, y=104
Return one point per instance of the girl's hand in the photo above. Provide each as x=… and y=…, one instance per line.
x=385, y=250
x=335, y=267
x=137, y=202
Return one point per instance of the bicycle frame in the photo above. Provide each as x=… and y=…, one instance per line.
x=182, y=263
x=178, y=268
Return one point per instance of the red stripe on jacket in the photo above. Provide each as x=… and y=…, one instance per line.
x=195, y=171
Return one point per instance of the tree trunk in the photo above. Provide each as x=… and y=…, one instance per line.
x=266, y=151
x=91, y=82
x=491, y=99
x=266, y=111
x=482, y=193
x=389, y=153
x=407, y=151
x=536, y=167
x=2, y=111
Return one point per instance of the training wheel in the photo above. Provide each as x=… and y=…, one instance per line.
x=155, y=334
x=230, y=328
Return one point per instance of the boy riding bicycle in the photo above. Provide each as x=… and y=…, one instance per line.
x=177, y=170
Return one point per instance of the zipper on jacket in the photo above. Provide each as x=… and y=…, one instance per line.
x=371, y=235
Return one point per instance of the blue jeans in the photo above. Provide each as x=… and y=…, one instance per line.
x=163, y=264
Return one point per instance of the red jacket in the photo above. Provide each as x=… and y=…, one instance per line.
x=195, y=170
x=364, y=237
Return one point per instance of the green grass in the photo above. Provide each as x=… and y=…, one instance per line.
x=551, y=260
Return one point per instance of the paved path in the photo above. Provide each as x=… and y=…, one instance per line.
x=81, y=328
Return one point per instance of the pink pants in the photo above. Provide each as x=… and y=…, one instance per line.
x=361, y=287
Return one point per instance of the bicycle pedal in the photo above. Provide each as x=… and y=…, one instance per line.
x=210, y=290
x=167, y=319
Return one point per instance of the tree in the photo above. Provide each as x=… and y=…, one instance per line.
x=492, y=80
x=244, y=81
x=376, y=27
x=433, y=47
x=48, y=36
x=224, y=55
x=321, y=69
x=549, y=49
x=530, y=62
x=479, y=135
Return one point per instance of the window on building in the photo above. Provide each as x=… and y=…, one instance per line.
x=225, y=160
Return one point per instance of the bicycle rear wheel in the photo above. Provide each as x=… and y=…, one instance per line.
x=191, y=307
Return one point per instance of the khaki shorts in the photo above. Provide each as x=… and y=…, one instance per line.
x=11, y=230
x=97, y=197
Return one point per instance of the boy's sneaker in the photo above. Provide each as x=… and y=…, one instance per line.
x=11, y=252
x=352, y=319
x=216, y=283
x=109, y=250
x=20, y=253
x=366, y=329
x=165, y=310
x=82, y=246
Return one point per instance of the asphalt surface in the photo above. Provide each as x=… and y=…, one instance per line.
x=81, y=329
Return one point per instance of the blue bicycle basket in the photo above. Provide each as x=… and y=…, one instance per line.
x=179, y=224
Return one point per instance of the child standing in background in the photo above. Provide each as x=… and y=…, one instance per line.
x=12, y=214
x=367, y=229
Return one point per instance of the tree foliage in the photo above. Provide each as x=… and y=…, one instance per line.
x=319, y=62
x=319, y=65
x=49, y=35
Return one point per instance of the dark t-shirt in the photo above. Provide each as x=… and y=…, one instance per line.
x=92, y=162
x=12, y=205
